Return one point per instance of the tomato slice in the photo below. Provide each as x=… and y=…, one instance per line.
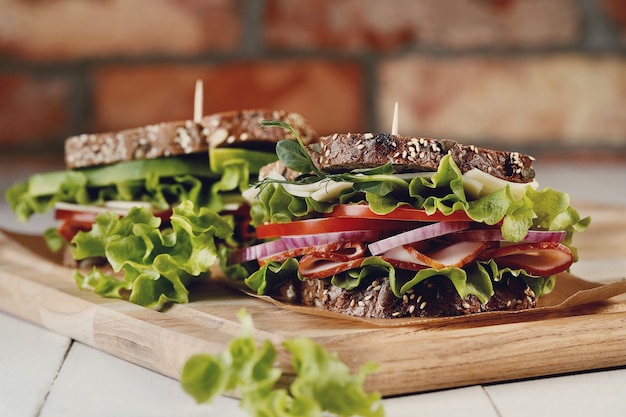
x=82, y=217
x=329, y=225
x=68, y=229
x=400, y=213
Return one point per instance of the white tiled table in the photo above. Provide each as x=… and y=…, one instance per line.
x=45, y=374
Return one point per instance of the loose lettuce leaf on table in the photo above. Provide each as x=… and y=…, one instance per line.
x=323, y=383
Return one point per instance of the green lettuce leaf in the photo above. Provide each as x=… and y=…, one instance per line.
x=371, y=268
x=546, y=209
x=476, y=279
x=161, y=182
x=323, y=383
x=157, y=265
x=272, y=275
x=275, y=205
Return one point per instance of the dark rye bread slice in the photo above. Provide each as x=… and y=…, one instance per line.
x=228, y=129
x=344, y=152
x=430, y=298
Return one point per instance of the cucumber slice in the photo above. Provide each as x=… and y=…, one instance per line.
x=256, y=159
x=48, y=183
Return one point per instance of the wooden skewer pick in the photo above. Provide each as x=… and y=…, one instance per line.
x=394, y=123
x=197, y=104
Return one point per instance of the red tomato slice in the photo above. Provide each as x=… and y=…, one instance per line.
x=328, y=225
x=76, y=216
x=400, y=213
x=67, y=229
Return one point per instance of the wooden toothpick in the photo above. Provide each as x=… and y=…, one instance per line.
x=394, y=123
x=197, y=104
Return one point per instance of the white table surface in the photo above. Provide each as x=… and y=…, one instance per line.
x=46, y=374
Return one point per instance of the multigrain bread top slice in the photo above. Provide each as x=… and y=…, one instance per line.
x=228, y=129
x=345, y=152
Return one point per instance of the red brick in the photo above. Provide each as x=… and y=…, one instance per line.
x=570, y=99
x=63, y=29
x=454, y=24
x=328, y=94
x=33, y=112
x=615, y=10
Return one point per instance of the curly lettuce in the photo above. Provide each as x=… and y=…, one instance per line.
x=476, y=279
x=157, y=264
x=545, y=209
x=160, y=182
x=323, y=383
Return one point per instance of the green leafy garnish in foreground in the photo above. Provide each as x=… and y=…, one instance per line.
x=323, y=383
x=157, y=264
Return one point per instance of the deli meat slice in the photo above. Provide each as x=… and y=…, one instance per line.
x=338, y=251
x=315, y=267
x=337, y=258
x=456, y=255
x=542, y=259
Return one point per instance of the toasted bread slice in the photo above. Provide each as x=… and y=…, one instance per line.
x=345, y=152
x=228, y=129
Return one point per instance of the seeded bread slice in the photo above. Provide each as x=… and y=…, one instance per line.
x=228, y=129
x=431, y=298
x=344, y=152
x=233, y=128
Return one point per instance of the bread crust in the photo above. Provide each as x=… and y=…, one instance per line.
x=431, y=298
x=227, y=129
x=345, y=152
x=232, y=128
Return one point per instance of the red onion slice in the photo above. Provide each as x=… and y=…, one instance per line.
x=495, y=235
x=416, y=235
x=302, y=241
x=250, y=253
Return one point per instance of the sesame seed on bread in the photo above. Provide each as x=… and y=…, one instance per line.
x=227, y=129
x=430, y=298
x=344, y=152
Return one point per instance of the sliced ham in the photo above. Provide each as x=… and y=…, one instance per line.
x=455, y=255
x=542, y=259
x=316, y=266
x=338, y=250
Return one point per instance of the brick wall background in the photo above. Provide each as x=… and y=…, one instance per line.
x=530, y=75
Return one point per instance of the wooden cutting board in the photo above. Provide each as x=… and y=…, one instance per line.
x=414, y=358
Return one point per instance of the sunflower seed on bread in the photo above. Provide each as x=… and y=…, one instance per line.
x=227, y=129
x=345, y=152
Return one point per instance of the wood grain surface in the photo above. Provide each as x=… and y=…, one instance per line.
x=423, y=357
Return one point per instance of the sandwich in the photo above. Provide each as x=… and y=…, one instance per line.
x=171, y=185
x=390, y=226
